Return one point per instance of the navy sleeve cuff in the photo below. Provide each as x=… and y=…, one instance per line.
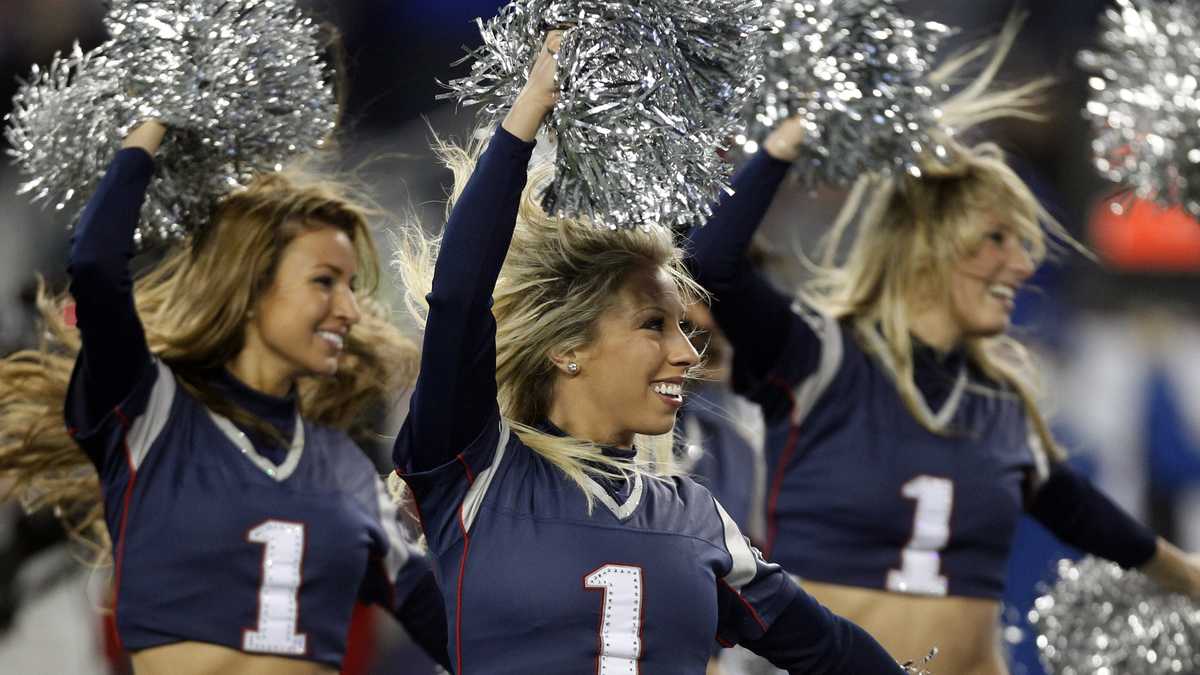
x=134, y=164
x=503, y=141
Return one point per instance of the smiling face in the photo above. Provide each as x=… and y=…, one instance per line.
x=984, y=283
x=300, y=321
x=631, y=373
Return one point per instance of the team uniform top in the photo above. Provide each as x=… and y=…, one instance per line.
x=859, y=492
x=721, y=439
x=219, y=537
x=535, y=583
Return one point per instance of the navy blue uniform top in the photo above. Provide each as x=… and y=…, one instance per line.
x=722, y=437
x=534, y=582
x=218, y=537
x=860, y=492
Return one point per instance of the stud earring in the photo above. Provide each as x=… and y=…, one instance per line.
x=573, y=368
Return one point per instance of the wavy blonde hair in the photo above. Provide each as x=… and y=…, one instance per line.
x=911, y=232
x=194, y=307
x=559, y=277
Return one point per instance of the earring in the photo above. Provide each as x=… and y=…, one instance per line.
x=573, y=368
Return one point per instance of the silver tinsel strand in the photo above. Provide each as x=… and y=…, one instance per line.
x=858, y=73
x=240, y=83
x=649, y=93
x=1099, y=619
x=919, y=668
x=1145, y=100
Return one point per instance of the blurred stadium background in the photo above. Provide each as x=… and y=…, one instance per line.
x=1120, y=338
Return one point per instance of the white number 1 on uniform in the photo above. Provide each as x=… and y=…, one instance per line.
x=278, y=601
x=921, y=560
x=621, y=618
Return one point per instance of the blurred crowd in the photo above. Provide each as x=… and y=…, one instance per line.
x=1119, y=335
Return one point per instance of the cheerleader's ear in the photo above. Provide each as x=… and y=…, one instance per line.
x=566, y=362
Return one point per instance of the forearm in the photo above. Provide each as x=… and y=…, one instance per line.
x=423, y=615
x=455, y=394
x=1174, y=569
x=1079, y=514
x=808, y=638
x=113, y=343
x=717, y=250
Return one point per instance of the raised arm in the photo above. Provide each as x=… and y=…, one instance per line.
x=756, y=318
x=455, y=396
x=114, y=355
x=718, y=248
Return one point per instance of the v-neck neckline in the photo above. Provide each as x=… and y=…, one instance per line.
x=945, y=414
x=280, y=472
x=624, y=509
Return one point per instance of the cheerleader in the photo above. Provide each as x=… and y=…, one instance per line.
x=552, y=350
x=906, y=441
x=213, y=403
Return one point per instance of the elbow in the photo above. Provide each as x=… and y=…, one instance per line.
x=91, y=273
x=95, y=272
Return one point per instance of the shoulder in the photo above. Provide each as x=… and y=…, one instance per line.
x=695, y=511
x=340, y=454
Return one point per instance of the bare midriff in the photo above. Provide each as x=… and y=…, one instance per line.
x=965, y=630
x=201, y=658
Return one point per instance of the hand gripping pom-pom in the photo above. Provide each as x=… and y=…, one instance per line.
x=240, y=83
x=649, y=92
x=859, y=73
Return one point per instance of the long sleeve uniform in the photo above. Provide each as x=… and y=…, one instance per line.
x=534, y=581
x=217, y=537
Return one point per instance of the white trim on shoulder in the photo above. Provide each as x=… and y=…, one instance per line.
x=745, y=563
x=399, y=546
x=1041, y=460
x=144, y=430
x=830, y=333
x=474, y=498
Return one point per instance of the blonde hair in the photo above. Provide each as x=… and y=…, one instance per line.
x=911, y=231
x=559, y=277
x=194, y=307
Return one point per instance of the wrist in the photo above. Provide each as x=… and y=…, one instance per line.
x=526, y=116
x=780, y=149
x=148, y=136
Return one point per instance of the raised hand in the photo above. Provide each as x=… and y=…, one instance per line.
x=538, y=97
x=148, y=136
x=785, y=141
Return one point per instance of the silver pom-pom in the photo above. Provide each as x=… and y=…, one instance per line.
x=241, y=84
x=649, y=91
x=1144, y=100
x=1099, y=618
x=858, y=72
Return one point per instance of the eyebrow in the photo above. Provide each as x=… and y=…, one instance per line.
x=337, y=270
x=660, y=308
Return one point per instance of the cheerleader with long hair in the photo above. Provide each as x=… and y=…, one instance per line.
x=552, y=369
x=210, y=408
x=907, y=439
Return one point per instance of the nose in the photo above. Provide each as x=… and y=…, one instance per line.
x=345, y=307
x=1021, y=262
x=682, y=352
